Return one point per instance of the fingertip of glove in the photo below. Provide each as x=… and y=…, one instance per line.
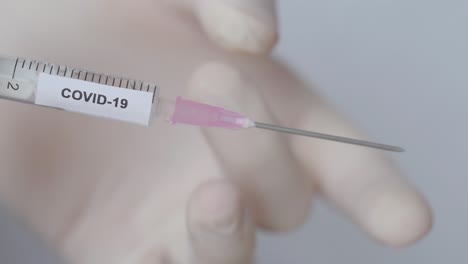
x=236, y=29
x=216, y=207
x=399, y=218
x=218, y=83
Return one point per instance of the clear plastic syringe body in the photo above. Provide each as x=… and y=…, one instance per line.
x=21, y=87
x=19, y=82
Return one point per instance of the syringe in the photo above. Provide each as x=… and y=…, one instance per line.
x=102, y=95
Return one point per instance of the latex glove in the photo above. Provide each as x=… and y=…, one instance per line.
x=102, y=191
x=237, y=25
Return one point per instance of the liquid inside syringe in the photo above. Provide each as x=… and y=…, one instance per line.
x=124, y=99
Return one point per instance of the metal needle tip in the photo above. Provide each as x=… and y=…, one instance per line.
x=328, y=137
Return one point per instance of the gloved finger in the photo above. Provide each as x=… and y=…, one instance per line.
x=219, y=224
x=260, y=163
x=240, y=25
x=361, y=181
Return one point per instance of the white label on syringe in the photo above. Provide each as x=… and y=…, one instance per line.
x=94, y=99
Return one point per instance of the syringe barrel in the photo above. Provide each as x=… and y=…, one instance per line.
x=88, y=92
x=17, y=87
x=107, y=96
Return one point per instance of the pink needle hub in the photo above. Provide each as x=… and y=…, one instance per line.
x=198, y=114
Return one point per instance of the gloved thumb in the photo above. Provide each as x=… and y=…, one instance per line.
x=219, y=224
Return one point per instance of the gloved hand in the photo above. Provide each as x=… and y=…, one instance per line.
x=101, y=191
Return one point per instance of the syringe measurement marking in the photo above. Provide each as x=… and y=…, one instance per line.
x=130, y=84
x=154, y=92
x=14, y=70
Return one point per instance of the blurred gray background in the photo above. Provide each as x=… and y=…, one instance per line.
x=400, y=70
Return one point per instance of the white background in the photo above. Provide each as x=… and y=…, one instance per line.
x=400, y=70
